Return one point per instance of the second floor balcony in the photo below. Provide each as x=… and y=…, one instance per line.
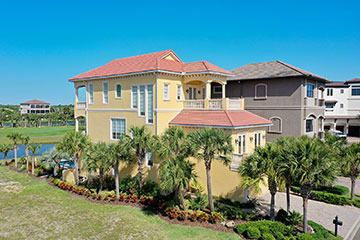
x=215, y=104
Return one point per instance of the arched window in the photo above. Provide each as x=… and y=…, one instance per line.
x=277, y=125
x=260, y=91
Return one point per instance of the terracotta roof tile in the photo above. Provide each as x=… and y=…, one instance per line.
x=354, y=80
x=150, y=62
x=35, y=101
x=232, y=118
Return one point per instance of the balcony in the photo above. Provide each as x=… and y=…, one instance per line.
x=236, y=161
x=80, y=105
x=214, y=104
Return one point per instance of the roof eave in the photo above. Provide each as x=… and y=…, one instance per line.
x=221, y=126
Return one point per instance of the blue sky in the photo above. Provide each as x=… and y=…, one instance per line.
x=44, y=43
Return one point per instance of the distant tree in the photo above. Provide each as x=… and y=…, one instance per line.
x=34, y=148
x=5, y=149
x=15, y=137
x=75, y=144
x=209, y=144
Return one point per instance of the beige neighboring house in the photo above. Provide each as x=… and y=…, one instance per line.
x=34, y=106
x=292, y=98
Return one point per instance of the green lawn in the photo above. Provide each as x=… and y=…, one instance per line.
x=38, y=135
x=30, y=207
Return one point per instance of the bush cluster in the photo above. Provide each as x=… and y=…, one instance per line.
x=264, y=229
x=234, y=212
x=328, y=197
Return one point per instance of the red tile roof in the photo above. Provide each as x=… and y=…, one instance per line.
x=354, y=80
x=35, y=101
x=226, y=119
x=150, y=62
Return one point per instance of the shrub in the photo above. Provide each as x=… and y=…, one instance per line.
x=304, y=236
x=192, y=215
x=267, y=236
x=277, y=229
x=321, y=232
x=182, y=215
x=150, y=188
x=253, y=233
x=200, y=202
x=196, y=187
x=216, y=217
x=281, y=216
x=241, y=228
x=203, y=217
x=294, y=218
x=23, y=168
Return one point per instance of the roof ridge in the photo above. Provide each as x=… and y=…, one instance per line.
x=153, y=53
x=292, y=67
x=203, y=62
x=228, y=116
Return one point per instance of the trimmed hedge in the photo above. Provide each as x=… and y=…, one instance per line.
x=277, y=229
x=322, y=233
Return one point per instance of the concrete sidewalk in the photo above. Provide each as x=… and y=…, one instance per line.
x=319, y=212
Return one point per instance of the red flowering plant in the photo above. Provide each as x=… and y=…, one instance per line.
x=182, y=215
x=215, y=217
x=134, y=198
x=113, y=197
x=122, y=197
x=168, y=211
x=203, y=217
x=99, y=197
x=127, y=198
x=192, y=215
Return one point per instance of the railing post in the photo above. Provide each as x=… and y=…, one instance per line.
x=206, y=103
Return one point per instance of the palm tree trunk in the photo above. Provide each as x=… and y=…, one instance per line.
x=353, y=181
x=305, y=204
x=288, y=197
x=140, y=169
x=272, y=207
x=27, y=158
x=116, y=170
x=101, y=184
x=5, y=155
x=15, y=148
x=208, y=178
x=76, y=161
x=33, y=165
x=181, y=192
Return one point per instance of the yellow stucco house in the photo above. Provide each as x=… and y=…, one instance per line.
x=159, y=90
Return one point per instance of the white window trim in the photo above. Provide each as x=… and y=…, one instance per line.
x=147, y=104
x=91, y=102
x=114, y=118
x=281, y=123
x=131, y=98
x=139, y=99
x=116, y=97
x=181, y=91
x=258, y=85
x=147, y=160
x=259, y=139
x=246, y=143
x=168, y=97
x=104, y=92
x=146, y=100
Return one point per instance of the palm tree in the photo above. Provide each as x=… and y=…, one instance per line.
x=15, y=137
x=98, y=158
x=6, y=148
x=264, y=162
x=175, y=173
x=26, y=141
x=75, y=144
x=142, y=143
x=120, y=152
x=288, y=164
x=315, y=168
x=210, y=144
x=52, y=158
x=34, y=148
x=351, y=164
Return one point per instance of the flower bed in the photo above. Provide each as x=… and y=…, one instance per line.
x=150, y=202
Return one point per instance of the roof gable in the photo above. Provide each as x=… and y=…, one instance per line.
x=34, y=101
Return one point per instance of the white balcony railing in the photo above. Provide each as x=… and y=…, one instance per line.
x=80, y=105
x=194, y=104
x=236, y=161
x=235, y=104
x=215, y=104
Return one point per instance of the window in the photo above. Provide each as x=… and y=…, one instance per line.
x=341, y=105
x=217, y=89
x=260, y=91
x=91, y=94
x=329, y=92
x=194, y=93
x=309, y=90
x=105, y=93
x=149, y=159
x=329, y=105
x=166, y=92
x=342, y=91
x=178, y=92
x=241, y=144
x=118, y=91
x=150, y=104
x=309, y=125
x=355, y=91
x=203, y=93
x=134, y=96
x=118, y=127
x=257, y=139
x=276, y=127
x=142, y=100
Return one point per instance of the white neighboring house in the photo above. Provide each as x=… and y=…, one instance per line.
x=34, y=106
x=342, y=107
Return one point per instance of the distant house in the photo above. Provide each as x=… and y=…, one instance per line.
x=34, y=106
x=342, y=107
x=290, y=97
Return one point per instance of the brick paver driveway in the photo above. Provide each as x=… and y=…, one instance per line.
x=317, y=211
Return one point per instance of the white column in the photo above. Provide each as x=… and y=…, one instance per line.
x=223, y=90
x=208, y=90
x=76, y=124
x=76, y=95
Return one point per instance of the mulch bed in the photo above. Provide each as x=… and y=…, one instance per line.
x=216, y=227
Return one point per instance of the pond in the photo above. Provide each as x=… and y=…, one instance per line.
x=21, y=151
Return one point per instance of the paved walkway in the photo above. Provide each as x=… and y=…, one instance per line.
x=345, y=181
x=319, y=212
